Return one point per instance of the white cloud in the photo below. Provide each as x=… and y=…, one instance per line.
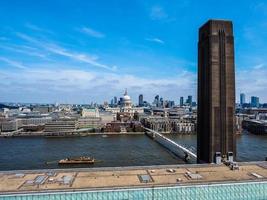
x=59, y=50
x=37, y=28
x=82, y=86
x=157, y=40
x=24, y=50
x=92, y=60
x=259, y=66
x=253, y=82
x=91, y=32
x=158, y=13
x=76, y=86
x=13, y=63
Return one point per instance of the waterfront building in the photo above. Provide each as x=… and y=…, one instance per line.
x=8, y=126
x=170, y=124
x=63, y=125
x=89, y=122
x=255, y=126
x=36, y=121
x=124, y=127
x=216, y=91
x=91, y=112
x=183, y=126
x=255, y=102
x=141, y=100
x=242, y=99
x=181, y=101
x=107, y=117
x=157, y=123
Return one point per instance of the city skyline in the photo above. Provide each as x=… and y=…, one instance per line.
x=136, y=100
x=94, y=52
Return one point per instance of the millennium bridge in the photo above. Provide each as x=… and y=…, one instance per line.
x=186, y=153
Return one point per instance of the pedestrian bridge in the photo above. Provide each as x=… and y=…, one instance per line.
x=179, y=150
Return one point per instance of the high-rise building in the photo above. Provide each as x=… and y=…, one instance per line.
x=255, y=102
x=141, y=100
x=171, y=104
x=156, y=100
x=161, y=102
x=181, y=101
x=189, y=100
x=216, y=91
x=115, y=100
x=242, y=99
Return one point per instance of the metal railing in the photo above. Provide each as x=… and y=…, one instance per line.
x=183, y=148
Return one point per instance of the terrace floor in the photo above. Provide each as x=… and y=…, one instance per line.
x=127, y=177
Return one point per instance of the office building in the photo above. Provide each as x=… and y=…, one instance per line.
x=112, y=102
x=255, y=102
x=216, y=91
x=115, y=101
x=161, y=102
x=181, y=101
x=63, y=125
x=89, y=122
x=141, y=100
x=189, y=100
x=156, y=101
x=242, y=99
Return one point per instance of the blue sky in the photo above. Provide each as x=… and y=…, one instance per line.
x=82, y=51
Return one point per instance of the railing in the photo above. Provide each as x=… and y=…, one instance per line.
x=184, y=149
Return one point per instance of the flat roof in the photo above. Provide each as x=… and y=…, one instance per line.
x=48, y=180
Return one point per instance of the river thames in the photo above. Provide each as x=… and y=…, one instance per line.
x=111, y=151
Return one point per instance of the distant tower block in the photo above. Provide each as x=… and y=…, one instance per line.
x=216, y=91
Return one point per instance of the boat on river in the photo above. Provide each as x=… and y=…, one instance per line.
x=77, y=160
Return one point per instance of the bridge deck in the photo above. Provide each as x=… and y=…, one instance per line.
x=184, y=149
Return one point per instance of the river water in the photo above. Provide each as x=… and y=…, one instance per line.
x=111, y=151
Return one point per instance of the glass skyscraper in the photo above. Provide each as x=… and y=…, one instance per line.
x=242, y=99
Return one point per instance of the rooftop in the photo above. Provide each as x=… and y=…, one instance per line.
x=127, y=177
